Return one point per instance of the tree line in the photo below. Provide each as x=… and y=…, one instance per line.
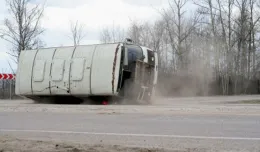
x=213, y=50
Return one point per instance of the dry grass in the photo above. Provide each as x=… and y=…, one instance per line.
x=245, y=102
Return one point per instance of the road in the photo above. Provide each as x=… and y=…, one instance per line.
x=184, y=126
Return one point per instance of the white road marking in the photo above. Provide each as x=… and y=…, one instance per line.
x=130, y=134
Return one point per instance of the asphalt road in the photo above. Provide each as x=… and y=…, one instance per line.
x=236, y=129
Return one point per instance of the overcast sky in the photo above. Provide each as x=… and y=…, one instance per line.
x=95, y=14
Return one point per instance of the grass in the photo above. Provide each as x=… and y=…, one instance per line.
x=251, y=101
x=245, y=102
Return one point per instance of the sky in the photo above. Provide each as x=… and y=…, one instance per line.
x=94, y=14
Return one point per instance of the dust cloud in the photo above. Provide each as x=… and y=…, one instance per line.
x=193, y=76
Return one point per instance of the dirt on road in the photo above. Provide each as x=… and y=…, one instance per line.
x=11, y=144
x=183, y=108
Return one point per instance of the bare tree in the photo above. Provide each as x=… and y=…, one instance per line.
x=105, y=36
x=77, y=32
x=233, y=36
x=254, y=21
x=23, y=29
x=112, y=35
x=117, y=33
x=179, y=29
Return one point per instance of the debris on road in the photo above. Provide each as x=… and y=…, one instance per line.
x=9, y=144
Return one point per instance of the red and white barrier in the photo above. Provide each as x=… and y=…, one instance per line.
x=6, y=76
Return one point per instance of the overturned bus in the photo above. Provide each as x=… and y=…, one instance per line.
x=113, y=72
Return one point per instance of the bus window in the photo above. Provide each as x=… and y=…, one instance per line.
x=151, y=57
x=134, y=53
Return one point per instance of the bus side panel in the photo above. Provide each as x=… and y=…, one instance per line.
x=60, y=71
x=81, y=69
x=105, y=69
x=17, y=79
x=41, y=71
x=24, y=73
